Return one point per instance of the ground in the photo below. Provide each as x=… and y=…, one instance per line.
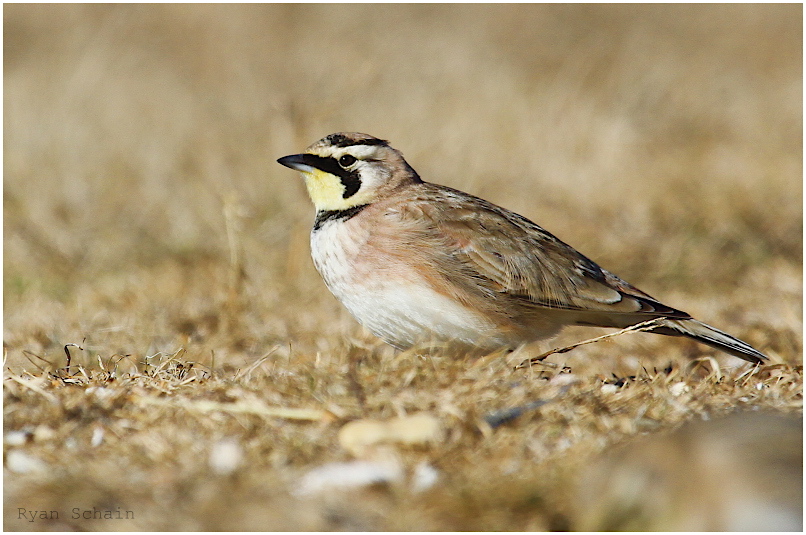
x=215, y=384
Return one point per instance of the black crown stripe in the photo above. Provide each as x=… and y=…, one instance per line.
x=340, y=140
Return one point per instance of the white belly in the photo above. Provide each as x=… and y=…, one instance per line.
x=393, y=300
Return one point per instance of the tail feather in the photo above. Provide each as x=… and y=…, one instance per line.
x=711, y=336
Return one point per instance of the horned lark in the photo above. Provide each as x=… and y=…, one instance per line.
x=421, y=263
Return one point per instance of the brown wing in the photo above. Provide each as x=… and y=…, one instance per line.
x=516, y=260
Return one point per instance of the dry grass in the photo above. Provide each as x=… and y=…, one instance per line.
x=146, y=221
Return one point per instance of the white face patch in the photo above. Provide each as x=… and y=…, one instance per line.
x=361, y=152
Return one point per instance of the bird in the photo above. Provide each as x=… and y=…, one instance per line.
x=419, y=264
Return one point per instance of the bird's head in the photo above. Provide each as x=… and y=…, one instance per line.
x=348, y=169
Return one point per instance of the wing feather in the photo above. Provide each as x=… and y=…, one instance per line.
x=516, y=260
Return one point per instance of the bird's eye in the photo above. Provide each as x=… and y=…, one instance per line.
x=347, y=160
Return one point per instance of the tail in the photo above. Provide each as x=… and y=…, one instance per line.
x=711, y=336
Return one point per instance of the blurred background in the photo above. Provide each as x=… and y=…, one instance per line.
x=147, y=221
x=144, y=210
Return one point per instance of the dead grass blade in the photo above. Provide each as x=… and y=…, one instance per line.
x=32, y=387
x=638, y=327
x=247, y=373
x=241, y=407
x=716, y=370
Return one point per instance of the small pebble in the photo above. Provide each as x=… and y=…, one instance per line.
x=43, y=433
x=97, y=437
x=226, y=456
x=16, y=438
x=419, y=428
x=21, y=463
x=678, y=388
x=563, y=379
x=425, y=476
x=359, y=435
x=351, y=475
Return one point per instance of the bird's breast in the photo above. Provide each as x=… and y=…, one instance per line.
x=388, y=290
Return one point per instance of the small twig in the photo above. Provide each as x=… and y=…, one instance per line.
x=121, y=357
x=638, y=327
x=67, y=352
x=504, y=416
